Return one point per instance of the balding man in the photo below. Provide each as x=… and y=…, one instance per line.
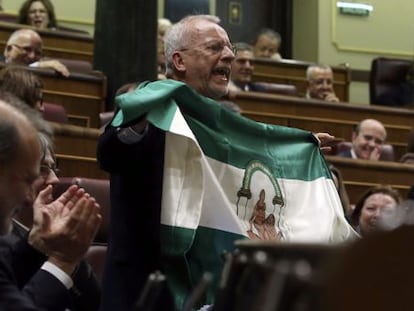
x=367, y=140
x=62, y=229
x=24, y=47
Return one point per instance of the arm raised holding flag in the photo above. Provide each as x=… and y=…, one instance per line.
x=187, y=172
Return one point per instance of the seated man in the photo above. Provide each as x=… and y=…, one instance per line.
x=242, y=69
x=267, y=44
x=24, y=47
x=36, y=270
x=367, y=140
x=320, y=83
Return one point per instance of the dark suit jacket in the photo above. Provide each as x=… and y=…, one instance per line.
x=345, y=154
x=42, y=291
x=83, y=296
x=134, y=235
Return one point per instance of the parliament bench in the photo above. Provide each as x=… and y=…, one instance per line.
x=337, y=119
x=360, y=175
x=82, y=95
x=294, y=72
x=56, y=44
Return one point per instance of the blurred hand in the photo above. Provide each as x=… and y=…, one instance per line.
x=375, y=154
x=331, y=97
x=324, y=140
x=56, y=65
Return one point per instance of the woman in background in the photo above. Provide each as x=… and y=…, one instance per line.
x=377, y=210
x=38, y=13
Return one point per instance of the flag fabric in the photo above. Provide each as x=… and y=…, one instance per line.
x=226, y=178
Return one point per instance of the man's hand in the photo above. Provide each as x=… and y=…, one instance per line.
x=324, y=140
x=64, y=229
x=56, y=65
x=375, y=154
x=331, y=97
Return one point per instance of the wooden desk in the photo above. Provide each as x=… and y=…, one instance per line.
x=337, y=119
x=360, y=175
x=294, y=72
x=56, y=44
x=82, y=95
x=75, y=149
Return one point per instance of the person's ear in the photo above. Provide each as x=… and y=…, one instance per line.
x=354, y=135
x=7, y=50
x=178, y=61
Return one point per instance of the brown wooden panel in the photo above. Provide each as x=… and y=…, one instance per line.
x=75, y=140
x=294, y=72
x=75, y=148
x=56, y=44
x=75, y=166
x=82, y=95
x=360, y=175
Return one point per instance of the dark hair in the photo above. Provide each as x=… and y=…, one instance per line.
x=24, y=12
x=242, y=46
x=384, y=189
x=22, y=83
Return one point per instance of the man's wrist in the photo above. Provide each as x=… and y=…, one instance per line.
x=68, y=267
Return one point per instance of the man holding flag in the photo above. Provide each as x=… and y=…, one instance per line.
x=189, y=177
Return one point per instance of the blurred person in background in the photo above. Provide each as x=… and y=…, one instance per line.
x=267, y=44
x=376, y=210
x=38, y=13
x=320, y=83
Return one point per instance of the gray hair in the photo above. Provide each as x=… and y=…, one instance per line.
x=311, y=68
x=179, y=35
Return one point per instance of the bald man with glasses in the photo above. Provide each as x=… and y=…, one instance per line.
x=24, y=47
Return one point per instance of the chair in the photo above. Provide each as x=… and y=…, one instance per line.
x=277, y=88
x=96, y=256
x=387, y=153
x=388, y=83
x=55, y=113
x=75, y=65
x=99, y=189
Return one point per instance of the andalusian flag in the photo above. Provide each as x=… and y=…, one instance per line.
x=227, y=177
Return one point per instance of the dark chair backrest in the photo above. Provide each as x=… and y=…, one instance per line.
x=96, y=256
x=99, y=189
x=387, y=153
x=388, y=83
x=55, y=113
x=74, y=65
x=278, y=88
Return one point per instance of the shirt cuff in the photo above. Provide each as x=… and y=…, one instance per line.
x=35, y=64
x=58, y=273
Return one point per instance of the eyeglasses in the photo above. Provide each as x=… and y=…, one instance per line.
x=321, y=81
x=216, y=47
x=28, y=49
x=45, y=170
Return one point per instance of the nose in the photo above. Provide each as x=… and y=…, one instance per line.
x=52, y=178
x=228, y=54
